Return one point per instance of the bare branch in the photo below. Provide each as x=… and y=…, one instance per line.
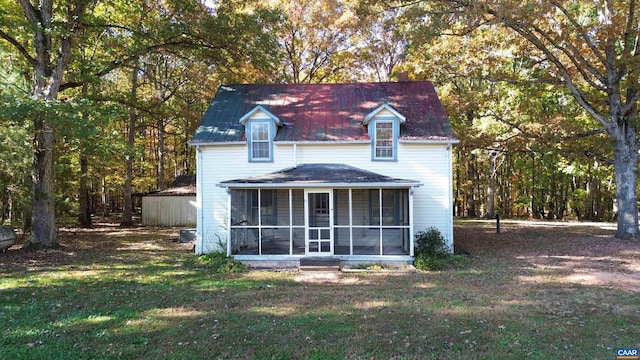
x=577, y=59
x=18, y=46
x=632, y=101
x=577, y=94
x=584, y=35
x=628, y=30
x=30, y=12
x=115, y=64
x=599, y=157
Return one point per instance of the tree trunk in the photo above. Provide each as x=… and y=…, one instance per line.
x=43, y=230
x=625, y=159
x=104, y=199
x=84, y=216
x=127, y=211
x=491, y=186
x=532, y=195
x=185, y=165
x=161, y=156
x=471, y=209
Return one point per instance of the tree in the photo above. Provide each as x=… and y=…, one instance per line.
x=127, y=212
x=54, y=31
x=50, y=36
x=386, y=41
x=593, y=48
x=316, y=38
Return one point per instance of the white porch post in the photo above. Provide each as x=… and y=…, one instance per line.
x=380, y=220
x=411, y=236
x=259, y=222
x=350, y=221
x=291, y=219
x=229, y=222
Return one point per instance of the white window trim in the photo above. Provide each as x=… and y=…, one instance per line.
x=394, y=136
x=269, y=140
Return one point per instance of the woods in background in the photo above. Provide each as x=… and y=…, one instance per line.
x=100, y=98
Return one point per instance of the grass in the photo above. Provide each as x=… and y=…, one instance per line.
x=531, y=292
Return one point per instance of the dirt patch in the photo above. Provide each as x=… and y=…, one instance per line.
x=329, y=277
x=93, y=246
x=576, y=253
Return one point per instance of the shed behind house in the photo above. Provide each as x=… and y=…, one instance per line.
x=175, y=206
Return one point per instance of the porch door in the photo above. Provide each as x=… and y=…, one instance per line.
x=319, y=222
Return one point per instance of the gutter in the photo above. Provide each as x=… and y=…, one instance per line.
x=377, y=185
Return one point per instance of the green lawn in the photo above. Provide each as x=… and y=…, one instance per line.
x=545, y=292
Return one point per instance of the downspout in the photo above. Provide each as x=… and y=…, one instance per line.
x=411, y=220
x=295, y=155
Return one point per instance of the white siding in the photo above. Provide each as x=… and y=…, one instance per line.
x=169, y=210
x=428, y=163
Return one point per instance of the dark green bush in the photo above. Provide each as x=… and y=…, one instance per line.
x=432, y=252
x=232, y=266
x=220, y=262
x=431, y=243
x=428, y=262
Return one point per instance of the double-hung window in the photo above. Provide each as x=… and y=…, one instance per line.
x=260, y=141
x=384, y=140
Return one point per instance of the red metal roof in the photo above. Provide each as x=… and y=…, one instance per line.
x=325, y=112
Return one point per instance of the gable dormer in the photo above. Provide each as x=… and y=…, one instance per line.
x=383, y=125
x=261, y=127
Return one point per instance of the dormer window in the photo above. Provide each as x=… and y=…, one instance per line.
x=384, y=130
x=384, y=140
x=260, y=127
x=260, y=144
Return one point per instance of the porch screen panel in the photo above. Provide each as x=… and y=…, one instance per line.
x=244, y=222
x=361, y=208
x=341, y=220
x=298, y=207
x=282, y=207
x=341, y=241
x=341, y=207
x=298, y=241
x=406, y=241
x=298, y=226
x=239, y=213
x=366, y=241
x=275, y=241
x=244, y=241
x=252, y=207
x=403, y=207
x=393, y=241
x=268, y=207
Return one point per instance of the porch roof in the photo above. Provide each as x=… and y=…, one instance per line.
x=321, y=175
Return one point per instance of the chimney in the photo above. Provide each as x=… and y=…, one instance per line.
x=403, y=76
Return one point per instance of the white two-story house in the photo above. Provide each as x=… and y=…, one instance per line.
x=348, y=171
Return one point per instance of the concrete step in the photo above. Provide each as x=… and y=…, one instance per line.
x=319, y=268
x=320, y=264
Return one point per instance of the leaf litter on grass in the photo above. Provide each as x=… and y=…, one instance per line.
x=536, y=290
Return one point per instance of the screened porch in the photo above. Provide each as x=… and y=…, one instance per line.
x=317, y=222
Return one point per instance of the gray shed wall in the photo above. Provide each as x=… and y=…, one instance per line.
x=169, y=210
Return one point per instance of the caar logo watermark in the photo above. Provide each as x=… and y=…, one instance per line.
x=627, y=353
